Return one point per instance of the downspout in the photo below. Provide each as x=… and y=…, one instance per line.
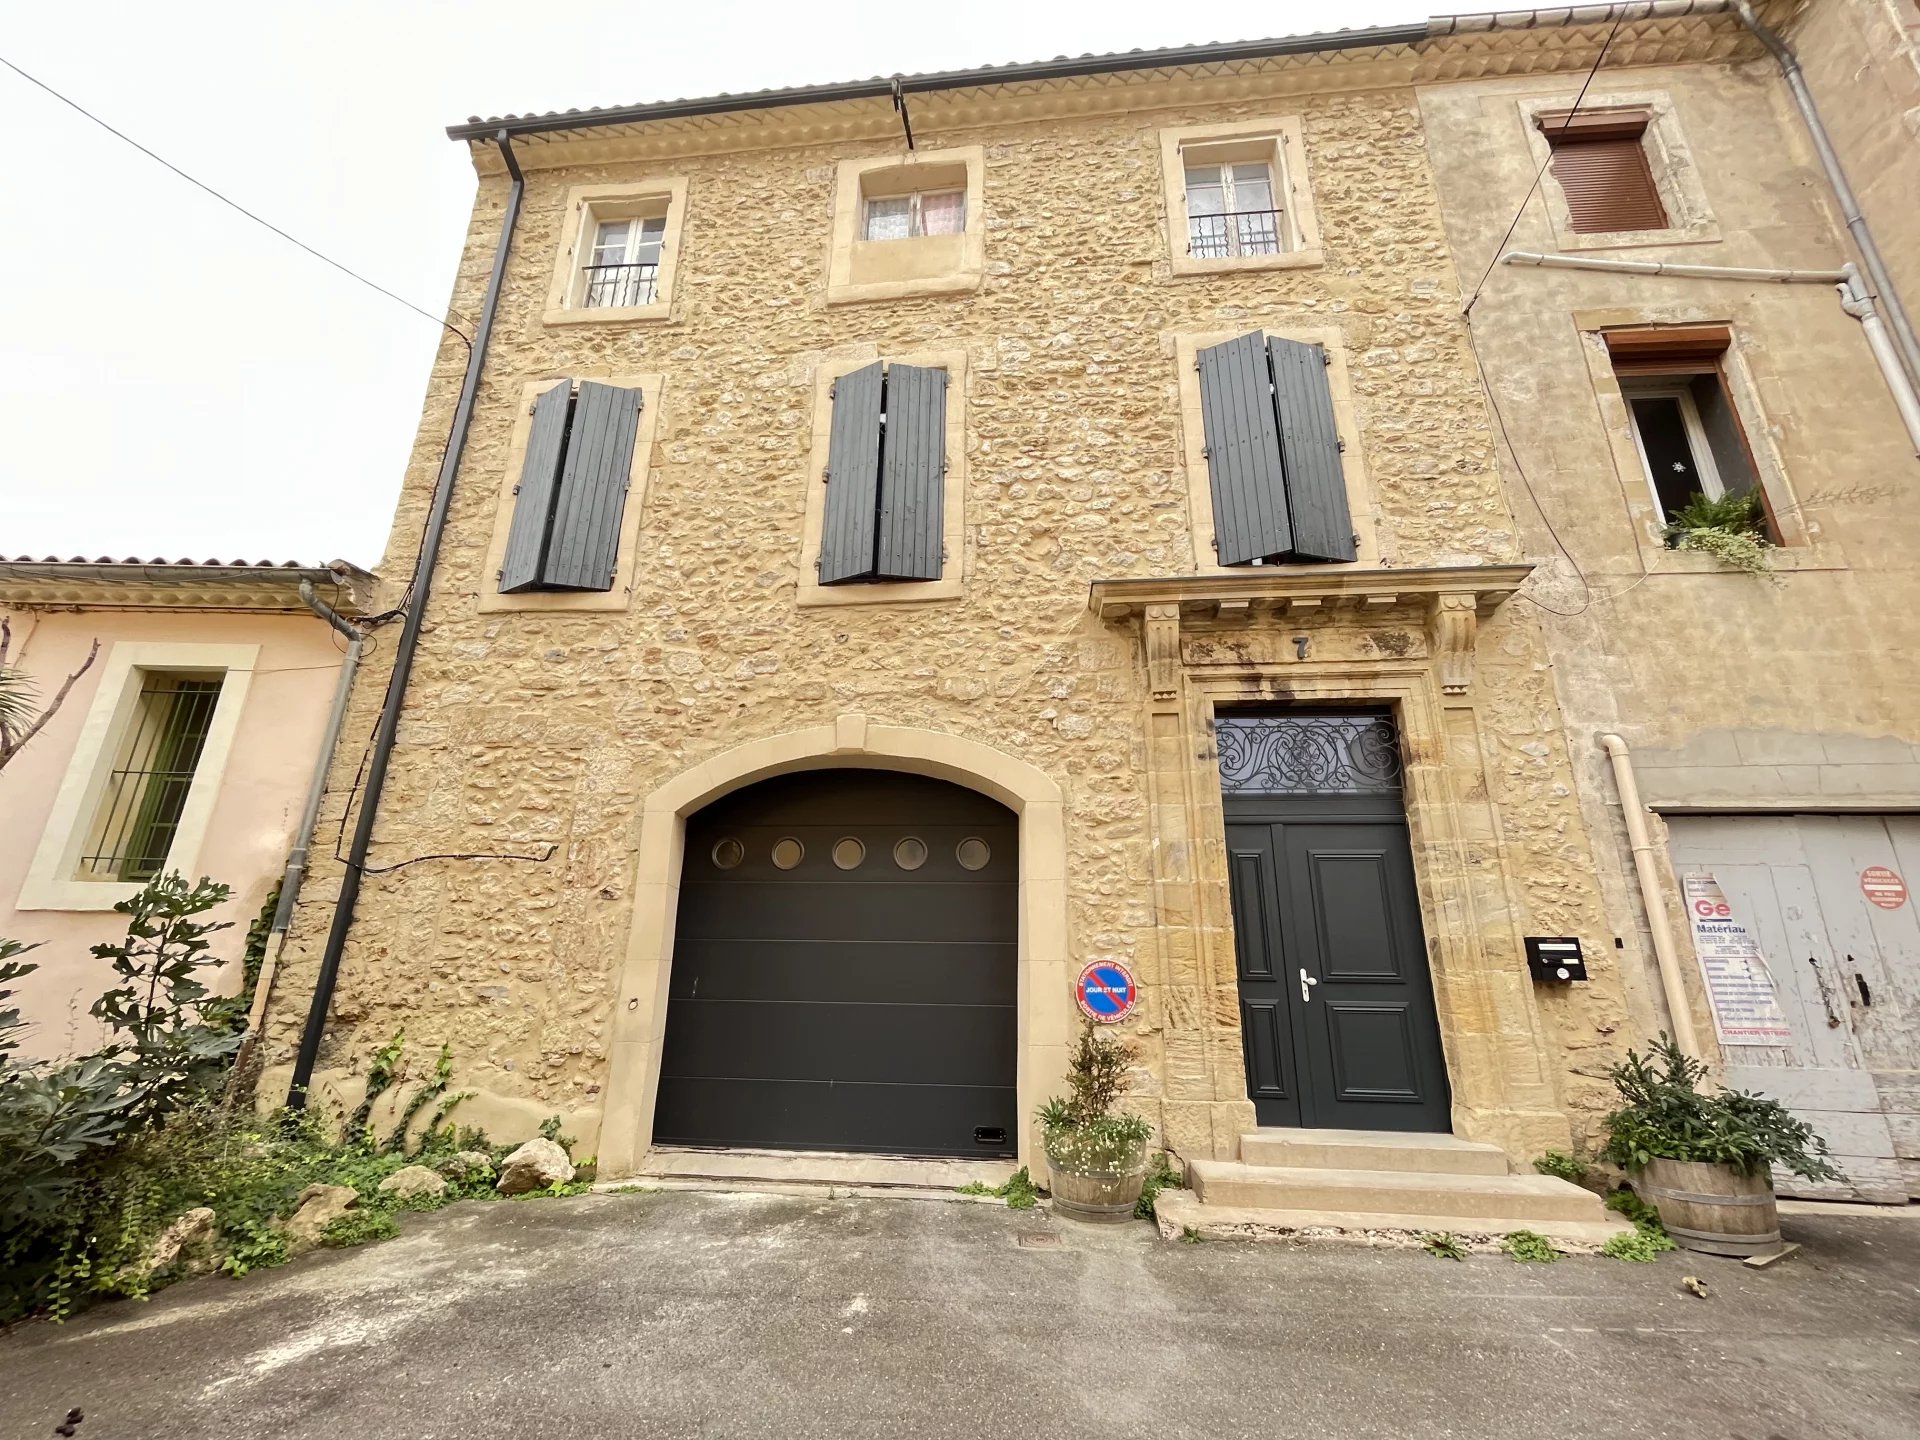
x=303, y=835
x=1883, y=287
x=1855, y=299
x=404, y=651
x=1640, y=838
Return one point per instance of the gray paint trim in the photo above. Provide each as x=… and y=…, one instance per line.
x=1243, y=451
x=913, y=462
x=533, y=505
x=853, y=478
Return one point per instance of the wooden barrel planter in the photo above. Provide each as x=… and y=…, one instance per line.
x=1714, y=1208
x=1104, y=1197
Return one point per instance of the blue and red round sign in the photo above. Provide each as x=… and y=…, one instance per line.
x=1107, y=992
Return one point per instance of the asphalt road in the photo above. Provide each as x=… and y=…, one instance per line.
x=739, y=1316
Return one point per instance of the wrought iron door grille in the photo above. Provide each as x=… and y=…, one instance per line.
x=1233, y=232
x=147, y=790
x=1308, y=754
x=617, y=286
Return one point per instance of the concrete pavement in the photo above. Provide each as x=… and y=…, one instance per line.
x=732, y=1315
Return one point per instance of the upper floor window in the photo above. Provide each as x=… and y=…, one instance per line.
x=902, y=217
x=1231, y=210
x=619, y=246
x=1600, y=160
x=623, y=268
x=146, y=785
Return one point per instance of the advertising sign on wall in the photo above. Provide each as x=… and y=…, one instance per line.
x=1746, y=1009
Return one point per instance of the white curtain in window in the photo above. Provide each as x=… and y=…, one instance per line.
x=943, y=214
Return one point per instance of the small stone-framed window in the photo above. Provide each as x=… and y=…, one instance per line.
x=1617, y=170
x=619, y=249
x=907, y=226
x=1237, y=197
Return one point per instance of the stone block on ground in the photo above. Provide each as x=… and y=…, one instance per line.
x=318, y=1207
x=413, y=1181
x=536, y=1165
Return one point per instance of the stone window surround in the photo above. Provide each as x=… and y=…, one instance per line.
x=863, y=270
x=1286, y=136
x=652, y=390
x=1045, y=1007
x=1360, y=496
x=1492, y=1033
x=1690, y=219
x=50, y=882
x=952, y=582
x=1800, y=546
x=587, y=205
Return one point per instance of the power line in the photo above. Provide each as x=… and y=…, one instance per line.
x=1527, y=199
x=234, y=204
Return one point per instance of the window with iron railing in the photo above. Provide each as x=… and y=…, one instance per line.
x=146, y=791
x=1231, y=211
x=623, y=267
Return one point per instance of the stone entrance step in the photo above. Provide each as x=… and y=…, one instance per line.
x=1506, y=1202
x=1371, y=1150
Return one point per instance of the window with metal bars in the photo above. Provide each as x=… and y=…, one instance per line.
x=146, y=791
x=1231, y=210
x=623, y=267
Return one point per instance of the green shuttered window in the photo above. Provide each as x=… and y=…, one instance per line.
x=1273, y=453
x=573, y=490
x=886, y=476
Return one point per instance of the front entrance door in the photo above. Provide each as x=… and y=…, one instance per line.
x=845, y=970
x=1336, y=1000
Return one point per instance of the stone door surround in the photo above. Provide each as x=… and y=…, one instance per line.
x=1403, y=638
x=640, y=1006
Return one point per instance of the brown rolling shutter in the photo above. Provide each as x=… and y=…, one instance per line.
x=1601, y=164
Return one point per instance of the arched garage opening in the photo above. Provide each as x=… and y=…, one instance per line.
x=845, y=970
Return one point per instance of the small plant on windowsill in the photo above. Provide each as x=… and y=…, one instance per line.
x=1731, y=528
x=1096, y=1155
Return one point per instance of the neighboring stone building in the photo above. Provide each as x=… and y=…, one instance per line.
x=886, y=575
x=1771, y=719
x=190, y=743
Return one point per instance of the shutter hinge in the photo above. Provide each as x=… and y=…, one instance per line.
x=1342, y=444
x=1325, y=358
x=516, y=487
x=1214, y=543
x=1206, y=452
x=833, y=390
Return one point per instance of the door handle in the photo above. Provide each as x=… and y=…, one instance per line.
x=1307, y=982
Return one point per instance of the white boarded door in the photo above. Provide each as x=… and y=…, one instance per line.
x=1847, y=973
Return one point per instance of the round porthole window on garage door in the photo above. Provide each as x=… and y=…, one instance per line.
x=848, y=853
x=788, y=853
x=973, y=853
x=910, y=853
x=728, y=853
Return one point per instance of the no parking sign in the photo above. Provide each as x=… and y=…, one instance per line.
x=1106, y=992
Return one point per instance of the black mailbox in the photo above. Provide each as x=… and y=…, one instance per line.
x=1555, y=960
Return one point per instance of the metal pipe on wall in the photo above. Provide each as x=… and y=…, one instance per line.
x=384, y=733
x=1646, y=867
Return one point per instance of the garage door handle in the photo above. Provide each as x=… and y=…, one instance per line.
x=1860, y=984
x=1307, y=982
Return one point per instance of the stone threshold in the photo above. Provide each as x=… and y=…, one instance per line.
x=813, y=1169
x=1177, y=1212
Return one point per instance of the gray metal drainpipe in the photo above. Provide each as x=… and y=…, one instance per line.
x=316, y=792
x=1876, y=268
x=404, y=651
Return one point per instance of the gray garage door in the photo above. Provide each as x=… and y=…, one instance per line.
x=844, y=970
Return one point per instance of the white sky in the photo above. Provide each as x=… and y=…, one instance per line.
x=176, y=381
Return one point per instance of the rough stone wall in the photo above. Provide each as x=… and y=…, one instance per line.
x=529, y=730
x=1731, y=689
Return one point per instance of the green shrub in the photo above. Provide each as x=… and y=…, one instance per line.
x=1530, y=1248
x=1562, y=1166
x=1161, y=1177
x=1444, y=1245
x=1084, y=1133
x=1017, y=1190
x=1732, y=529
x=1640, y=1246
x=359, y=1227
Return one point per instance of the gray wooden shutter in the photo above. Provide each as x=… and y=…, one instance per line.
x=534, y=495
x=913, y=463
x=853, y=478
x=1243, y=452
x=1310, y=452
x=585, y=544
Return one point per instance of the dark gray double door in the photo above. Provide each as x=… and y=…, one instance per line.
x=1336, y=999
x=845, y=970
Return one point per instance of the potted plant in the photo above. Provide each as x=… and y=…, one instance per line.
x=1732, y=529
x=1096, y=1156
x=1705, y=1158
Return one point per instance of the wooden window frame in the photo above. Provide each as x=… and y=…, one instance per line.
x=52, y=881
x=959, y=555
x=1279, y=141
x=915, y=220
x=1649, y=387
x=620, y=596
x=1361, y=503
x=587, y=207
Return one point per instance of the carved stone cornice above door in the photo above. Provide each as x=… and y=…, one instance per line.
x=1269, y=616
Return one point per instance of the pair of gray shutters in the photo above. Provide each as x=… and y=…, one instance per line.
x=573, y=490
x=1273, y=453
x=886, y=476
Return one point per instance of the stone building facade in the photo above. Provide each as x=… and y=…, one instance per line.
x=1080, y=645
